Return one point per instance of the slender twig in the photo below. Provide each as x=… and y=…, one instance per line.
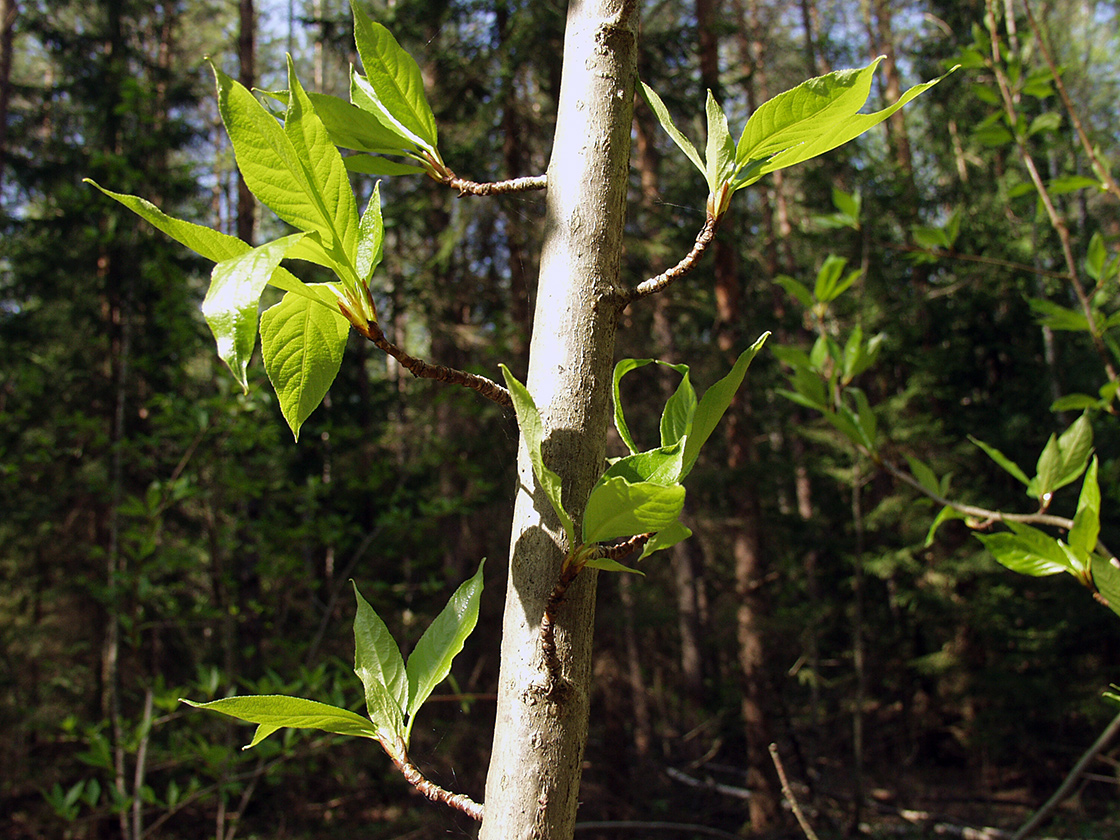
x=661, y=281
x=1056, y=221
x=423, y=370
x=548, y=619
x=788, y=791
x=1066, y=787
x=977, y=258
x=1099, y=169
x=617, y=552
x=573, y=565
x=985, y=517
x=458, y=801
x=513, y=185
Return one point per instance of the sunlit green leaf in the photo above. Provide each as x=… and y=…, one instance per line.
x=529, y=422
x=430, y=661
x=1001, y=459
x=715, y=402
x=271, y=712
x=302, y=346
x=377, y=659
x=618, y=508
x=396, y=81
x=662, y=114
x=665, y=538
x=1034, y=554
x=620, y=370
x=1106, y=578
x=230, y=305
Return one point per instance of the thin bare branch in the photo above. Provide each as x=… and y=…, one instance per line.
x=661, y=281
x=458, y=801
x=513, y=185
x=423, y=370
x=788, y=791
x=1099, y=169
x=1056, y=221
x=1067, y=786
x=617, y=552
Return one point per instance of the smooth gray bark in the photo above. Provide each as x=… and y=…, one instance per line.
x=535, y=767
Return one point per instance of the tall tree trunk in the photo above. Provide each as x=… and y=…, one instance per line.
x=9, y=9
x=247, y=59
x=744, y=528
x=532, y=789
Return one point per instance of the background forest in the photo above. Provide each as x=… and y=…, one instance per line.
x=161, y=536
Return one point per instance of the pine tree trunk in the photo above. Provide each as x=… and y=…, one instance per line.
x=532, y=787
x=247, y=75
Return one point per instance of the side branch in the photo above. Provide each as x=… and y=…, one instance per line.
x=423, y=370
x=661, y=281
x=458, y=801
x=514, y=185
x=573, y=565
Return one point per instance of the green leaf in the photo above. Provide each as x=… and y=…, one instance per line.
x=847, y=203
x=395, y=81
x=1063, y=459
x=618, y=508
x=662, y=114
x=430, y=661
x=1001, y=459
x=1106, y=578
x=680, y=408
x=866, y=415
x=926, y=477
x=302, y=345
x=813, y=118
x=1075, y=402
x=212, y=244
x=1095, y=259
x=659, y=466
x=720, y=152
x=620, y=370
x=796, y=289
x=715, y=402
x=295, y=170
x=529, y=421
x=371, y=238
x=1034, y=554
x=271, y=712
x=230, y=305
x=829, y=286
x=944, y=515
x=1058, y=317
x=377, y=660
x=374, y=165
x=605, y=564
x=354, y=128
x=665, y=538
x=1048, y=122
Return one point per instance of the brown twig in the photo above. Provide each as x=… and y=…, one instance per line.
x=617, y=552
x=548, y=619
x=458, y=801
x=513, y=185
x=1056, y=221
x=661, y=281
x=423, y=370
x=1086, y=144
x=788, y=791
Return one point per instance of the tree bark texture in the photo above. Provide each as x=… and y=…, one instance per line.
x=535, y=768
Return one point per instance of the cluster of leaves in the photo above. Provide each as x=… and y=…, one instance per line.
x=394, y=690
x=822, y=379
x=815, y=117
x=293, y=166
x=643, y=492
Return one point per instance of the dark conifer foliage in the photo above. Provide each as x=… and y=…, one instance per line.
x=161, y=536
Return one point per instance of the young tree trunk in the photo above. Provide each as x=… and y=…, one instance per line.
x=533, y=782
